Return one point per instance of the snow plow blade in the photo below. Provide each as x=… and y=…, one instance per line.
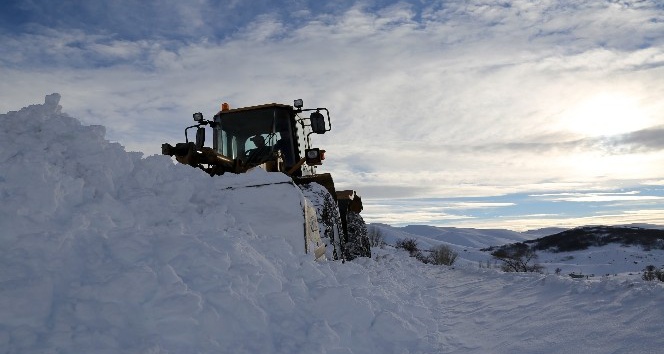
x=295, y=221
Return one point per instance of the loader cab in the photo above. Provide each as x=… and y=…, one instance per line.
x=236, y=131
x=284, y=130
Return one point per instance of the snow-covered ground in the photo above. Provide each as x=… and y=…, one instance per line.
x=613, y=260
x=104, y=251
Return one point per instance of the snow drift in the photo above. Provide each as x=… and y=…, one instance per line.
x=105, y=251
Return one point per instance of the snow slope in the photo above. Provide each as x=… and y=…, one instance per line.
x=104, y=251
x=472, y=244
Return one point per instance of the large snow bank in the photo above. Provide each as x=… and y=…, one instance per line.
x=104, y=251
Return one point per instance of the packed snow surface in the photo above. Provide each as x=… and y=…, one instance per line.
x=104, y=251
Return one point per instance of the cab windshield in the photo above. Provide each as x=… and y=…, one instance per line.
x=241, y=132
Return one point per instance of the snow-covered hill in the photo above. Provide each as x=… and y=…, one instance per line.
x=468, y=243
x=473, y=246
x=104, y=251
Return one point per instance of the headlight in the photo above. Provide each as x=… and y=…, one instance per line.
x=314, y=156
x=298, y=103
x=198, y=117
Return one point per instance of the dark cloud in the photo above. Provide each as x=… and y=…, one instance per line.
x=586, y=23
x=146, y=19
x=646, y=140
x=133, y=19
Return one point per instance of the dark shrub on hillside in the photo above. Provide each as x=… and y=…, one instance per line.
x=409, y=245
x=443, y=254
x=376, y=238
x=519, y=257
x=651, y=273
x=507, y=250
x=570, y=240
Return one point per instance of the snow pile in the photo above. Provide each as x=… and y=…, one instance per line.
x=104, y=251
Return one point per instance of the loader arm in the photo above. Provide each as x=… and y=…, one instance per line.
x=218, y=164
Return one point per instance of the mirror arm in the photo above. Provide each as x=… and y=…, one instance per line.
x=199, y=125
x=327, y=113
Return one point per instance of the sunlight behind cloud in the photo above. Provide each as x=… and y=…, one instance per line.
x=606, y=113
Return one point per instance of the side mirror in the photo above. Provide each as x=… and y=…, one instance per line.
x=317, y=122
x=200, y=138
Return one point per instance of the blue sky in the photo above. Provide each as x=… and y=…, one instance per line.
x=511, y=114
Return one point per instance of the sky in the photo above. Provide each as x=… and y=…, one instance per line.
x=486, y=114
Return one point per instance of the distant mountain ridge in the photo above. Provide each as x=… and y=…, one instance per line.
x=429, y=236
x=582, y=238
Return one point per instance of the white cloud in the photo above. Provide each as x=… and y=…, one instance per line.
x=425, y=211
x=537, y=221
x=600, y=197
x=411, y=214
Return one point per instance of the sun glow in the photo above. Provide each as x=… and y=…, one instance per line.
x=606, y=114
